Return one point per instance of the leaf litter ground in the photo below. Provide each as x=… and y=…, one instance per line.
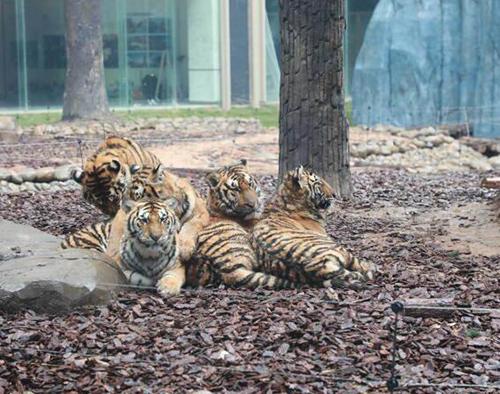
x=417, y=228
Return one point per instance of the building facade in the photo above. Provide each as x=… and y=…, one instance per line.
x=156, y=52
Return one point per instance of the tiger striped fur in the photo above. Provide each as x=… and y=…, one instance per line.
x=224, y=252
x=144, y=244
x=94, y=236
x=155, y=183
x=291, y=240
x=158, y=183
x=105, y=177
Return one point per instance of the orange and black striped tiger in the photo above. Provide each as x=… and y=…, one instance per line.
x=143, y=241
x=158, y=183
x=291, y=240
x=106, y=175
x=94, y=236
x=224, y=252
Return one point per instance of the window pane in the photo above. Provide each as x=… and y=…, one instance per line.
x=240, y=82
x=45, y=52
x=9, y=68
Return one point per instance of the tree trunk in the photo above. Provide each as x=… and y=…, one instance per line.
x=85, y=92
x=313, y=125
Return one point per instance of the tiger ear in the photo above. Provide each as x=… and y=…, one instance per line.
x=114, y=165
x=297, y=175
x=158, y=173
x=243, y=162
x=213, y=179
x=134, y=168
x=77, y=175
x=171, y=203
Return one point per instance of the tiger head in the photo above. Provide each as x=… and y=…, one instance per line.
x=104, y=182
x=150, y=222
x=234, y=192
x=149, y=182
x=303, y=188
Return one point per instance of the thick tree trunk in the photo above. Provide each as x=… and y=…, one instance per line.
x=313, y=125
x=85, y=92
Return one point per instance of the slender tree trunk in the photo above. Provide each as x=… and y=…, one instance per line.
x=85, y=92
x=313, y=126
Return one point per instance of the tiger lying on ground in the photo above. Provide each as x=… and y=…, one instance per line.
x=143, y=242
x=142, y=239
x=105, y=177
x=224, y=252
x=291, y=240
x=153, y=183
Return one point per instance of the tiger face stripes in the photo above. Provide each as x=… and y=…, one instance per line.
x=234, y=193
x=148, y=247
x=305, y=192
x=291, y=238
x=106, y=176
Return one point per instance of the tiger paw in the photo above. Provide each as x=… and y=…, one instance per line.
x=169, y=286
x=137, y=279
x=350, y=279
x=369, y=269
x=186, y=248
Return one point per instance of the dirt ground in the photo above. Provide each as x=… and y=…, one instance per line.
x=261, y=149
x=433, y=236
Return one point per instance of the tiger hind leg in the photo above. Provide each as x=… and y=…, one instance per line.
x=329, y=270
x=352, y=263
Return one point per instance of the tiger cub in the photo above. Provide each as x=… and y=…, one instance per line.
x=291, y=237
x=224, y=252
x=143, y=242
x=105, y=177
x=158, y=183
x=153, y=183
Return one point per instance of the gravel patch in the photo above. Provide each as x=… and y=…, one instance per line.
x=310, y=340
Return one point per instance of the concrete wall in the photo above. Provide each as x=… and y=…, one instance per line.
x=430, y=61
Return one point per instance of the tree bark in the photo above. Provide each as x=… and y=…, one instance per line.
x=313, y=126
x=85, y=92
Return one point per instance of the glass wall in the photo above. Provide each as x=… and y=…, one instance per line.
x=156, y=52
x=239, y=42
x=9, y=64
x=45, y=51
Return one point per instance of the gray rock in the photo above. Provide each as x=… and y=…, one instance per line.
x=7, y=123
x=36, y=274
x=5, y=174
x=25, y=238
x=28, y=175
x=15, y=178
x=63, y=173
x=45, y=174
x=9, y=136
x=430, y=62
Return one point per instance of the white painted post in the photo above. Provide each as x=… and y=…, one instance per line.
x=225, y=54
x=257, y=53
